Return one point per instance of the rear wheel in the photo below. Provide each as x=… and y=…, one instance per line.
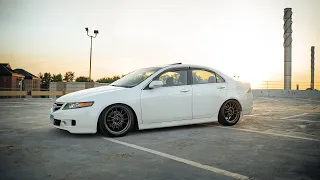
x=229, y=113
x=116, y=120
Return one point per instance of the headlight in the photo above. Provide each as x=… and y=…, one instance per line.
x=77, y=105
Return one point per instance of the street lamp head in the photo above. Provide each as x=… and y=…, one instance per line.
x=87, y=29
x=96, y=31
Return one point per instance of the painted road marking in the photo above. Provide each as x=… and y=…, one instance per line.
x=269, y=133
x=12, y=106
x=189, y=162
x=19, y=105
x=292, y=120
x=22, y=117
x=40, y=127
x=307, y=99
x=26, y=103
x=294, y=116
x=271, y=99
x=283, y=98
x=265, y=115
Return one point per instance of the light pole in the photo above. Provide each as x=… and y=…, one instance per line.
x=96, y=32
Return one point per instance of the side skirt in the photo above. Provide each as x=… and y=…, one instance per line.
x=176, y=123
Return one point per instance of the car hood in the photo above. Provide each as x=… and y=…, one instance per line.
x=82, y=94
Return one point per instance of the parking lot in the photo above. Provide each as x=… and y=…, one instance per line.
x=279, y=140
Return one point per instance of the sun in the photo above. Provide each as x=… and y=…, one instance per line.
x=255, y=79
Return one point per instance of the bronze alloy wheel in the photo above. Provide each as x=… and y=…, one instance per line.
x=116, y=120
x=230, y=113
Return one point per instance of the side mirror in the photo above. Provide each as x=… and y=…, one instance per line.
x=155, y=84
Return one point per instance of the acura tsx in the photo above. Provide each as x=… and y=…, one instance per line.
x=163, y=96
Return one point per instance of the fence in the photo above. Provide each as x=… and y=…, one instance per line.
x=18, y=93
x=56, y=89
x=279, y=85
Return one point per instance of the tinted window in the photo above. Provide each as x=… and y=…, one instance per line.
x=219, y=79
x=203, y=77
x=174, y=78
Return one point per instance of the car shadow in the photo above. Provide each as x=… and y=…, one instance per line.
x=175, y=128
x=66, y=134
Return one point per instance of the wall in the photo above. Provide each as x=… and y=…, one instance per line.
x=100, y=84
x=27, y=84
x=286, y=93
x=72, y=86
x=69, y=87
x=57, y=86
x=36, y=84
x=15, y=83
x=5, y=83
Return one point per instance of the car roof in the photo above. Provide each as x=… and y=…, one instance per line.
x=180, y=65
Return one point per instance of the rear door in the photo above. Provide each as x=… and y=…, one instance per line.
x=209, y=91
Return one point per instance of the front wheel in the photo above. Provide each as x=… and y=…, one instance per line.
x=116, y=120
x=229, y=113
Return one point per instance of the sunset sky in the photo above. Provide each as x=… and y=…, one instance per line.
x=239, y=37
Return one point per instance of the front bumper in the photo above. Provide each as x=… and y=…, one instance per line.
x=82, y=120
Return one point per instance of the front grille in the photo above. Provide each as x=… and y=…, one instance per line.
x=57, y=106
x=56, y=122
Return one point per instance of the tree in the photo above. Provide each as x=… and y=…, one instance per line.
x=56, y=78
x=45, y=80
x=82, y=79
x=108, y=79
x=69, y=76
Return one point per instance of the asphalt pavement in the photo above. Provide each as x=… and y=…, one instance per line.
x=279, y=140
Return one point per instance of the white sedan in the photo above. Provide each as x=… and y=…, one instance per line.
x=155, y=97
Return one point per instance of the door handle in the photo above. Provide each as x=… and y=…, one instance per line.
x=184, y=90
x=221, y=87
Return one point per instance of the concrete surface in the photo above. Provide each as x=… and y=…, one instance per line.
x=286, y=93
x=280, y=140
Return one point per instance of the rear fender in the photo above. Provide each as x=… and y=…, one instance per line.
x=243, y=87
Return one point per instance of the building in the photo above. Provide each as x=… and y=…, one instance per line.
x=9, y=79
x=18, y=79
x=30, y=82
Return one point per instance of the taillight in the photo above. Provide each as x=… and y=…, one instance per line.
x=249, y=91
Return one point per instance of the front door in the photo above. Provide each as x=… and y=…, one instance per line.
x=172, y=102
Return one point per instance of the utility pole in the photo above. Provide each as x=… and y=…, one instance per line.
x=96, y=32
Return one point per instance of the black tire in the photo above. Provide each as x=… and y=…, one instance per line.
x=228, y=120
x=110, y=126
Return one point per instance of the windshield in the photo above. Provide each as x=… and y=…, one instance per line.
x=136, y=77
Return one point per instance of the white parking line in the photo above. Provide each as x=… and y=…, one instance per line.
x=270, y=99
x=307, y=99
x=283, y=98
x=291, y=120
x=22, y=117
x=288, y=117
x=12, y=106
x=269, y=133
x=40, y=127
x=192, y=163
x=258, y=115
